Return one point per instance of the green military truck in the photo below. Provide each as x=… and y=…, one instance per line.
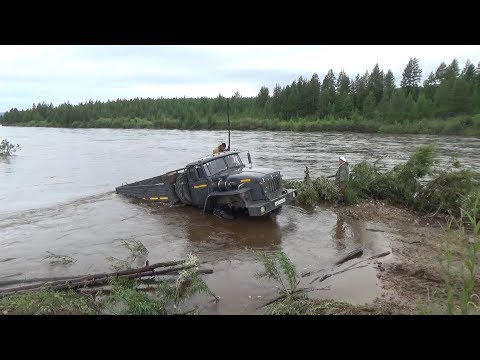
x=216, y=183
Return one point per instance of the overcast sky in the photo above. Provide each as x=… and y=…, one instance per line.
x=57, y=74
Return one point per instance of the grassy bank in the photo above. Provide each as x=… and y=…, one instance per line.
x=445, y=192
x=466, y=125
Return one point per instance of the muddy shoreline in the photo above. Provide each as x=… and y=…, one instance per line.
x=403, y=278
x=414, y=269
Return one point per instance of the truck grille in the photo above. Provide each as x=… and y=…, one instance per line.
x=273, y=187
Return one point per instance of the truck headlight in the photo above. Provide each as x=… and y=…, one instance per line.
x=262, y=209
x=294, y=194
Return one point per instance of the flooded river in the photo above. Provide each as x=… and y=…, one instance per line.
x=57, y=195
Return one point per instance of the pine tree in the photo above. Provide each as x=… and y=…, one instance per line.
x=452, y=71
x=397, y=107
x=411, y=77
x=477, y=75
x=461, y=97
x=468, y=72
x=429, y=86
x=262, y=97
x=443, y=99
x=424, y=107
x=375, y=84
x=327, y=94
x=389, y=85
x=409, y=110
x=440, y=73
x=369, y=106
x=313, y=92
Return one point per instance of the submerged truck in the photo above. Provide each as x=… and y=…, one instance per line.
x=216, y=183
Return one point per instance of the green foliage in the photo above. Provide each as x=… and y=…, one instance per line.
x=302, y=305
x=326, y=189
x=133, y=302
x=278, y=267
x=449, y=192
x=47, y=302
x=188, y=284
x=458, y=294
x=419, y=165
x=362, y=177
x=445, y=191
x=7, y=149
x=55, y=259
x=136, y=249
x=307, y=195
x=411, y=76
x=311, y=191
x=167, y=299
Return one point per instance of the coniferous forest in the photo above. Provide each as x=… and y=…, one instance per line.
x=447, y=102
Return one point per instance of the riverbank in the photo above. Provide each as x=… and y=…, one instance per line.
x=413, y=278
x=408, y=277
x=465, y=125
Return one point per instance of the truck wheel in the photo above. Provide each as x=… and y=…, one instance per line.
x=181, y=189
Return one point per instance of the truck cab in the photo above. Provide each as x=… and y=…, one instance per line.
x=223, y=181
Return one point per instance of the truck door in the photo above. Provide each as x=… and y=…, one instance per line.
x=198, y=185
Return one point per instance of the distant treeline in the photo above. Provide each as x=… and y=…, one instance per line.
x=447, y=102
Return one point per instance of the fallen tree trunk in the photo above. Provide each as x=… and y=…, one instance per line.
x=62, y=280
x=93, y=280
x=370, y=258
x=351, y=255
x=326, y=276
x=303, y=290
x=144, y=284
x=36, y=280
x=102, y=281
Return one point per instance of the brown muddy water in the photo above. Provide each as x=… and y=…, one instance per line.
x=57, y=195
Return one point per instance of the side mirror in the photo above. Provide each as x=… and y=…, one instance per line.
x=249, y=159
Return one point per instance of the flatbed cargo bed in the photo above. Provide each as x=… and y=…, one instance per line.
x=158, y=188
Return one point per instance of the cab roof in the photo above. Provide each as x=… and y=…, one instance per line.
x=212, y=157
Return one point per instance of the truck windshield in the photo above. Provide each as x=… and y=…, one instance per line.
x=218, y=165
x=215, y=166
x=233, y=161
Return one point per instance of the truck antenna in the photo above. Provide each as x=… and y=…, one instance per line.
x=228, y=119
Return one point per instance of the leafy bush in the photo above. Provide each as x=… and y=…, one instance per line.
x=7, y=149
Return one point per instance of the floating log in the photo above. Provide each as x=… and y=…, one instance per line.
x=370, y=258
x=326, y=276
x=351, y=255
x=303, y=290
x=338, y=262
x=61, y=280
x=91, y=280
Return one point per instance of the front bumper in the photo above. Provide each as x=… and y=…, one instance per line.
x=255, y=207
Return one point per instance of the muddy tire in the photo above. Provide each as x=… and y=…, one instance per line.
x=181, y=189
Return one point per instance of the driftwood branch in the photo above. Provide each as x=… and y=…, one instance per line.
x=103, y=279
x=303, y=290
x=326, y=276
x=62, y=280
x=375, y=230
x=351, y=255
x=370, y=258
x=149, y=284
x=348, y=267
